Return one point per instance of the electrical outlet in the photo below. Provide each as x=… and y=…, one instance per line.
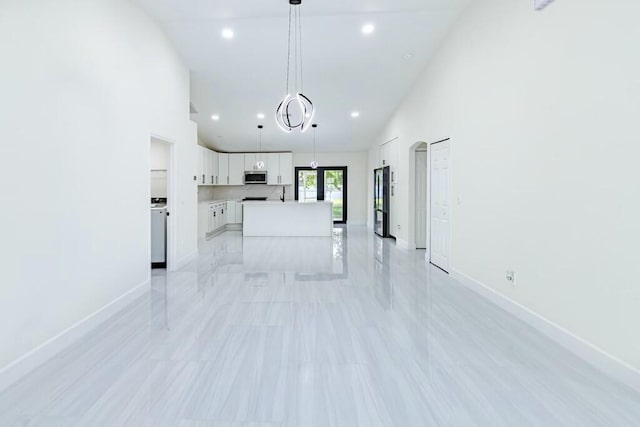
x=511, y=277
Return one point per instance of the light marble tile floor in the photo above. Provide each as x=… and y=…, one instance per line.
x=343, y=331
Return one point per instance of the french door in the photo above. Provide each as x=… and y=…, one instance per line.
x=324, y=183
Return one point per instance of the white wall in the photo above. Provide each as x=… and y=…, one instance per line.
x=84, y=84
x=542, y=110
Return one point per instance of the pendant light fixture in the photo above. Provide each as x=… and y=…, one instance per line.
x=259, y=162
x=314, y=163
x=295, y=111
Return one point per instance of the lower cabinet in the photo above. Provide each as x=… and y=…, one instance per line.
x=239, y=210
x=230, y=216
x=214, y=216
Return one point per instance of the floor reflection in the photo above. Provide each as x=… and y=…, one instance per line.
x=344, y=331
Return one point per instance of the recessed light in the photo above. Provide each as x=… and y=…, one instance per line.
x=409, y=56
x=227, y=33
x=260, y=116
x=215, y=117
x=368, y=29
x=355, y=114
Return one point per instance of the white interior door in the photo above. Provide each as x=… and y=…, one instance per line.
x=440, y=188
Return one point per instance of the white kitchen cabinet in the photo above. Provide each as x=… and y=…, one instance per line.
x=214, y=217
x=286, y=168
x=203, y=220
x=239, y=211
x=217, y=216
x=273, y=170
x=207, y=166
x=230, y=213
x=236, y=169
x=222, y=212
x=213, y=162
x=202, y=165
x=250, y=160
x=280, y=168
x=223, y=169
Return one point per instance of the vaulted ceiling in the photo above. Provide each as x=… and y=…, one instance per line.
x=344, y=69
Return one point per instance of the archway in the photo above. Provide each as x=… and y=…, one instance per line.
x=418, y=180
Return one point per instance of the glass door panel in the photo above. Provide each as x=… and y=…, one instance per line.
x=308, y=185
x=334, y=192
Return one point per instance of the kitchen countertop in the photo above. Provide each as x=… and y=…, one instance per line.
x=288, y=202
x=217, y=201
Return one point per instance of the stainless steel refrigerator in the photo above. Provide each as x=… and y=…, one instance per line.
x=381, y=200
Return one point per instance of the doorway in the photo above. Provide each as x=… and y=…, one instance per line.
x=160, y=191
x=421, y=190
x=324, y=183
x=440, y=205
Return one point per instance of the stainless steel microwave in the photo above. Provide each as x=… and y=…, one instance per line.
x=255, y=177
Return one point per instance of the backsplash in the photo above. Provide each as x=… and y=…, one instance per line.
x=205, y=194
x=271, y=192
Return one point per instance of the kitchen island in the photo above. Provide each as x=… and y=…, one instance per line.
x=288, y=219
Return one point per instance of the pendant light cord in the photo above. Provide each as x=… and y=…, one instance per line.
x=295, y=48
x=300, y=52
x=295, y=23
x=289, y=50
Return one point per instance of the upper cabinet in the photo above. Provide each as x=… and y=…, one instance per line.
x=280, y=170
x=229, y=168
x=207, y=166
x=286, y=168
x=202, y=171
x=236, y=169
x=251, y=160
x=223, y=169
x=213, y=164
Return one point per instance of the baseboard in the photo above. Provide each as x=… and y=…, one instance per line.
x=53, y=346
x=597, y=357
x=184, y=261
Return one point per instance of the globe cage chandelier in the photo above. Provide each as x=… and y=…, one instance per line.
x=295, y=111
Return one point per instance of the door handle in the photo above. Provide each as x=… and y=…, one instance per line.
x=203, y=180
